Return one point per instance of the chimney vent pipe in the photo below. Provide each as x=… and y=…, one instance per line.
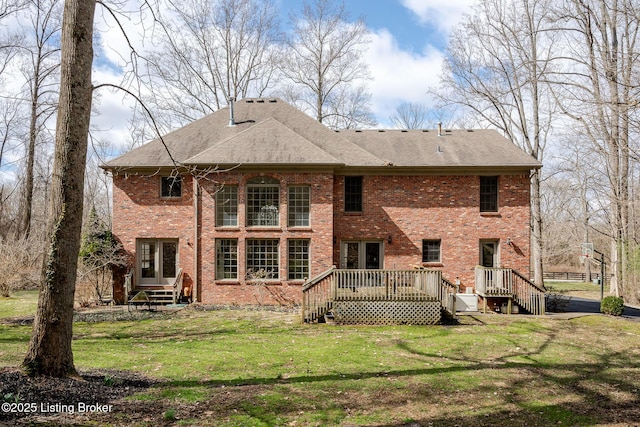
x=232, y=119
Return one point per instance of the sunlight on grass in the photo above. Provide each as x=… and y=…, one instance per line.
x=265, y=368
x=19, y=304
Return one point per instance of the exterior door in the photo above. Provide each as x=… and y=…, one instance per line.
x=157, y=261
x=360, y=254
x=489, y=258
x=489, y=254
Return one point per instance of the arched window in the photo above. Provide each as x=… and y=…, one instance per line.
x=263, y=202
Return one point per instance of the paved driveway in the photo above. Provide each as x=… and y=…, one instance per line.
x=583, y=305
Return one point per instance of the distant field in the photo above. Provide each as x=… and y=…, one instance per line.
x=576, y=289
x=19, y=304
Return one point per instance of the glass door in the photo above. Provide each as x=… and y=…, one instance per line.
x=360, y=254
x=157, y=261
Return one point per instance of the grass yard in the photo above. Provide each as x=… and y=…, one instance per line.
x=261, y=368
x=576, y=289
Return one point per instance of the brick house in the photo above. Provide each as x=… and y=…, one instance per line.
x=260, y=193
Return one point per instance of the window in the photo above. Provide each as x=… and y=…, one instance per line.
x=353, y=194
x=431, y=251
x=226, y=259
x=299, y=206
x=262, y=258
x=298, y=259
x=488, y=194
x=263, y=202
x=171, y=186
x=227, y=206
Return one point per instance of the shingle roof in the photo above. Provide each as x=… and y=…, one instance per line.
x=425, y=148
x=272, y=132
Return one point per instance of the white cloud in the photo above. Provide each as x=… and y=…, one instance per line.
x=399, y=76
x=442, y=15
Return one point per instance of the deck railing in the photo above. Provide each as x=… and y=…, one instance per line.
x=319, y=293
x=506, y=282
x=448, y=296
x=317, y=296
x=387, y=285
x=177, y=286
x=527, y=294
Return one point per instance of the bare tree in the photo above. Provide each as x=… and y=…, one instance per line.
x=410, y=115
x=496, y=66
x=598, y=90
x=210, y=51
x=40, y=72
x=324, y=57
x=49, y=350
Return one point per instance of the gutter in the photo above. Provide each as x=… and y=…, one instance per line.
x=196, y=240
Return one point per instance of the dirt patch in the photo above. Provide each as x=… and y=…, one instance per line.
x=50, y=400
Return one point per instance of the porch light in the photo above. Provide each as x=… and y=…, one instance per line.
x=389, y=239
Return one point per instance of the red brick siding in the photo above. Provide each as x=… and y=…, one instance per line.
x=140, y=212
x=320, y=235
x=413, y=208
x=409, y=209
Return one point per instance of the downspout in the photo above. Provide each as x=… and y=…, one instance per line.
x=196, y=240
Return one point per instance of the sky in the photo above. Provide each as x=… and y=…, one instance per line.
x=404, y=57
x=407, y=39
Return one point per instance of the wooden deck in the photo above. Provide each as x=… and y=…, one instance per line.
x=378, y=296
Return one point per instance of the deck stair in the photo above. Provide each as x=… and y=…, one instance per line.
x=511, y=286
x=153, y=295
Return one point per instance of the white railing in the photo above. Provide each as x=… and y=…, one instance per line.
x=387, y=285
x=506, y=282
x=319, y=293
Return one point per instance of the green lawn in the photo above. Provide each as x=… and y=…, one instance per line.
x=576, y=289
x=260, y=368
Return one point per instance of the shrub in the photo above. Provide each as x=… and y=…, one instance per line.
x=612, y=305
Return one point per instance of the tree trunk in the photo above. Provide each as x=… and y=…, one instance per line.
x=536, y=223
x=49, y=350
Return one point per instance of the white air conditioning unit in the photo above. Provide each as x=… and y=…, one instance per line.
x=466, y=302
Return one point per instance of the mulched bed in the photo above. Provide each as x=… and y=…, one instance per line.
x=27, y=400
